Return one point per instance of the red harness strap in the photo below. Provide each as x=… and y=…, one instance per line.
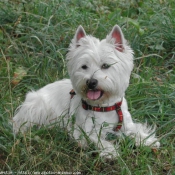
x=72, y=93
x=116, y=107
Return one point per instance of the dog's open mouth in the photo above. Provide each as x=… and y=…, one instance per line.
x=94, y=94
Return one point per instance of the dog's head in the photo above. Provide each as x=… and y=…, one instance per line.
x=100, y=70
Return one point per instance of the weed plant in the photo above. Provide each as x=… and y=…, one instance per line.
x=34, y=37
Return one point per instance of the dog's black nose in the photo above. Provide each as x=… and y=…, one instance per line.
x=92, y=83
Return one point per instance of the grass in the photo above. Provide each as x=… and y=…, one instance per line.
x=34, y=36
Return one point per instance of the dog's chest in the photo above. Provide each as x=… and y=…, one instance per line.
x=90, y=120
x=97, y=120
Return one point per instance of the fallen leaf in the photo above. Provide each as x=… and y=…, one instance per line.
x=18, y=75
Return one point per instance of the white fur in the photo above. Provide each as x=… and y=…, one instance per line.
x=52, y=103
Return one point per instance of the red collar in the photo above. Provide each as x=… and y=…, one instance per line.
x=116, y=107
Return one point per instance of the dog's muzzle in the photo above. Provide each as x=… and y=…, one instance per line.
x=93, y=93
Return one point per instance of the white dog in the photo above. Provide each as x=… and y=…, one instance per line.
x=94, y=96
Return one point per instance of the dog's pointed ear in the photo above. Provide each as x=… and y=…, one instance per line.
x=80, y=33
x=118, y=37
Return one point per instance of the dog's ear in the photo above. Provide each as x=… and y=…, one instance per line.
x=80, y=33
x=118, y=37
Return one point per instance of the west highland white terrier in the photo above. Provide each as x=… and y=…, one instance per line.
x=99, y=76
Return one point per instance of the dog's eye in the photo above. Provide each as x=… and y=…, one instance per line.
x=84, y=67
x=105, y=66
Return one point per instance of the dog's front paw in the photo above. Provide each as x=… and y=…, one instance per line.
x=151, y=142
x=155, y=145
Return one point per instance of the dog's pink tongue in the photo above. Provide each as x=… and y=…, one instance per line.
x=93, y=95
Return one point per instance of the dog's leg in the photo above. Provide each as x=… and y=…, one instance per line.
x=79, y=137
x=107, y=149
x=143, y=134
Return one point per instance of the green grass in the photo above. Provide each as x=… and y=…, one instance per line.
x=34, y=36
